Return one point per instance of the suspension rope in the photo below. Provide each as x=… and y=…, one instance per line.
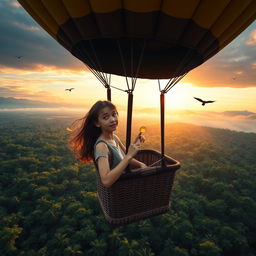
x=122, y=60
x=109, y=79
x=97, y=60
x=99, y=75
x=118, y=88
x=156, y=162
x=139, y=64
x=172, y=82
x=106, y=84
x=132, y=60
x=159, y=86
x=104, y=78
x=92, y=62
x=131, y=88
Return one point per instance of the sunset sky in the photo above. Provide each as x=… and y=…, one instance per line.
x=46, y=69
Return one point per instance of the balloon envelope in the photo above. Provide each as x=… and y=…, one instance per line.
x=143, y=38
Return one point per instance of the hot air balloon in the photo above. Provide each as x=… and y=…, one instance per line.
x=152, y=39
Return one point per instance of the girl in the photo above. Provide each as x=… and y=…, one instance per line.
x=96, y=141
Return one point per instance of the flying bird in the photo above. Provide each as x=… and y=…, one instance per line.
x=70, y=89
x=204, y=101
x=19, y=57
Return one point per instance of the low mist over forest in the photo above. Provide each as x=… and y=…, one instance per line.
x=49, y=207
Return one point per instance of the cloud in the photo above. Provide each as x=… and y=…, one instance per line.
x=252, y=39
x=245, y=115
x=234, y=66
x=15, y=4
x=233, y=120
x=22, y=36
x=21, y=92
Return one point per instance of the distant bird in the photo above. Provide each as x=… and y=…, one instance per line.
x=234, y=78
x=204, y=101
x=19, y=57
x=70, y=89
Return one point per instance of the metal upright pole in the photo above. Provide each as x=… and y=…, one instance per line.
x=109, y=93
x=129, y=120
x=162, y=126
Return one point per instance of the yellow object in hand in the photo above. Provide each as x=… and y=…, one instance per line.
x=143, y=129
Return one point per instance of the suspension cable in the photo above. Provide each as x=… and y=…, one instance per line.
x=104, y=78
x=122, y=60
x=172, y=82
x=97, y=60
x=139, y=64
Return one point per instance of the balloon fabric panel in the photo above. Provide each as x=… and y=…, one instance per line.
x=163, y=39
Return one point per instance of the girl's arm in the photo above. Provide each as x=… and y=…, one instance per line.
x=133, y=161
x=108, y=177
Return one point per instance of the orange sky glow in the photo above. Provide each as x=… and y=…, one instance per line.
x=46, y=69
x=48, y=84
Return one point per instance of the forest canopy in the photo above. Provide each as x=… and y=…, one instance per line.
x=48, y=200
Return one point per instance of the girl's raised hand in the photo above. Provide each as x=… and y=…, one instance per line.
x=133, y=149
x=140, y=137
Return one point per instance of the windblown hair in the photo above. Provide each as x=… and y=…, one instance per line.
x=83, y=141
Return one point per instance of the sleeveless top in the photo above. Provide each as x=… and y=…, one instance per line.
x=116, y=153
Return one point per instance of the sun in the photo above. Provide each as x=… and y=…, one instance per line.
x=147, y=95
x=180, y=96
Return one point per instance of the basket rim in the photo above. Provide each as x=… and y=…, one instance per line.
x=155, y=170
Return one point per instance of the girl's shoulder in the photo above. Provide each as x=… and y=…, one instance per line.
x=100, y=144
x=101, y=150
x=116, y=138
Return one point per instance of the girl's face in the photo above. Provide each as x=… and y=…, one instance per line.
x=107, y=119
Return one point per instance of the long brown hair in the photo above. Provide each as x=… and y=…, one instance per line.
x=82, y=142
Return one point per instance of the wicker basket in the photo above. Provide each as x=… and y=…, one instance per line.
x=141, y=193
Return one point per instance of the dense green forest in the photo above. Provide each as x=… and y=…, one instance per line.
x=49, y=207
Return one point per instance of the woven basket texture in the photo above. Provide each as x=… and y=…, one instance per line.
x=140, y=195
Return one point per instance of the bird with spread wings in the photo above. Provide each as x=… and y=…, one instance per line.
x=69, y=89
x=204, y=101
